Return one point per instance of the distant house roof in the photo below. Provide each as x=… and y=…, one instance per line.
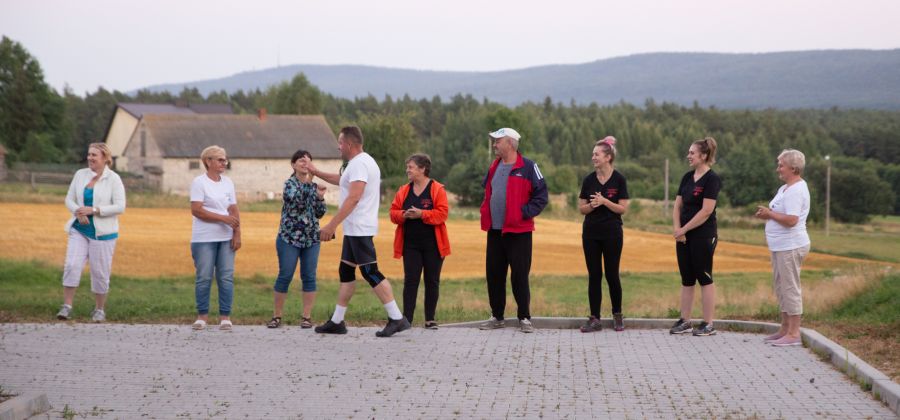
x=243, y=136
x=138, y=110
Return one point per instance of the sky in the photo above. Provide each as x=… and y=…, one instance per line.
x=126, y=45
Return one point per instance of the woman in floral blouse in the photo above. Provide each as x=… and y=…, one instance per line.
x=298, y=237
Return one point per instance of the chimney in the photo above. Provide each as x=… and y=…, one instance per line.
x=261, y=113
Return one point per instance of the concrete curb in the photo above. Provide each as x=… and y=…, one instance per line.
x=24, y=406
x=870, y=379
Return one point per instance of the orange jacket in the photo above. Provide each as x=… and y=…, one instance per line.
x=436, y=217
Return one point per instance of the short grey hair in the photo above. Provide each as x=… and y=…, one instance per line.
x=793, y=159
x=513, y=142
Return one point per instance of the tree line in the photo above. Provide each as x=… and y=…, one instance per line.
x=37, y=124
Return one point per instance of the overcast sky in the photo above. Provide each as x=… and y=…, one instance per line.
x=126, y=45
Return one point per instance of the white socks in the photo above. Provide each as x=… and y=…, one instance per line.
x=393, y=310
x=338, y=315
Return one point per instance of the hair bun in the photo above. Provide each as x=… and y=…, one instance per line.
x=610, y=140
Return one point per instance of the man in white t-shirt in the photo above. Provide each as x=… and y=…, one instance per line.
x=360, y=184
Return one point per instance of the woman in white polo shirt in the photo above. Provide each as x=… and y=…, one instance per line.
x=215, y=236
x=789, y=243
x=96, y=198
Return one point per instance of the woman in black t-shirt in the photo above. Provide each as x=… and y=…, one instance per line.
x=694, y=224
x=603, y=201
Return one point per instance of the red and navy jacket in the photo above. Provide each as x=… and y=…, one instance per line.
x=526, y=196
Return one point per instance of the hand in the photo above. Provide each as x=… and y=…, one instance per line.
x=232, y=221
x=763, y=212
x=84, y=211
x=327, y=233
x=597, y=200
x=83, y=220
x=679, y=233
x=413, y=213
x=236, y=242
x=310, y=166
x=682, y=239
x=320, y=191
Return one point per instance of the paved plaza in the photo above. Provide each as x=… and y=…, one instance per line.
x=166, y=371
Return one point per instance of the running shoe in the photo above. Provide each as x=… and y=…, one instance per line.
x=592, y=325
x=393, y=326
x=492, y=324
x=332, y=328
x=65, y=312
x=97, y=315
x=681, y=326
x=703, y=330
x=526, y=326
x=618, y=322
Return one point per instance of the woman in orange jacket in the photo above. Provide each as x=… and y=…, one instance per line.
x=420, y=211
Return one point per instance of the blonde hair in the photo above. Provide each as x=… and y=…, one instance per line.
x=104, y=149
x=209, y=152
x=794, y=159
x=608, y=145
x=707, y=146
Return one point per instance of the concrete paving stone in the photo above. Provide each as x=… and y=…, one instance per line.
x=165, y=371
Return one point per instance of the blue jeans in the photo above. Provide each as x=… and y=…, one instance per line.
x=213, y=258
x=287, y=264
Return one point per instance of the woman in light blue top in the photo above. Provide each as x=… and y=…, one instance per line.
x=96, y=198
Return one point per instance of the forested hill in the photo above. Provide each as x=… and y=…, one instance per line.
x=805, y=79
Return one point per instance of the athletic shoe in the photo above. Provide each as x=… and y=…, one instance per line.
x=332, y=328
x=773, y=337
x=525, y=326
x=618, y=322
x=64, y=313
x=592, y=325
x=97, y=315
x=492, y=324
x=681, y=326
x=787, y=342
x=393, y=326
x=703, y=330
x=431, y=325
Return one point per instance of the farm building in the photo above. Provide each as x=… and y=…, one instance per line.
x=165, y=150
x=127, y=116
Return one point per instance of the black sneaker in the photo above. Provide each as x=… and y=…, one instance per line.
x=681, y=326
x=332, y=328
x=704, y=329
x=393, y=326
x=592, y=325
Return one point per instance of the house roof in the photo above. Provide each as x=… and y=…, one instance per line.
x=242, y=136
x=138, y=110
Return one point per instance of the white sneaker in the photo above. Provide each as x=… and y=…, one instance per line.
x=64, y=313
x=97, y=315
x=525, y=326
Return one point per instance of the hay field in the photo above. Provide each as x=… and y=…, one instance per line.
x=156, y=242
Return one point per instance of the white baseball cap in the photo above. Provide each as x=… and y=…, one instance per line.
x=506, y=132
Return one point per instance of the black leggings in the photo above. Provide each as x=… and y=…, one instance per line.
x=610, y=250
x=508, y=251
x=417, y=258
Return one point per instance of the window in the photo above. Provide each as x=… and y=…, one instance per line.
x=193, y=164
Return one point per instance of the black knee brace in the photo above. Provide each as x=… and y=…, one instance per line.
x=371, y=274
x=345, y=271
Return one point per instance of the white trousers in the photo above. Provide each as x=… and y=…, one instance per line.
x=82, y=250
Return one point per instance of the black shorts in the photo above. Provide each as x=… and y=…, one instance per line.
x=695, y=260
x=358, y=250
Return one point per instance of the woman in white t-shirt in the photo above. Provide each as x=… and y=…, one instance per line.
x=215, y=236
x=789, y=243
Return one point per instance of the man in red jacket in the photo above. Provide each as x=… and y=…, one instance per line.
x=514, y=193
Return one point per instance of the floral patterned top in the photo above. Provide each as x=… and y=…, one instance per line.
x=300, y=213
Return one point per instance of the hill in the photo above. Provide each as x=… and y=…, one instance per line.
x=804, y=79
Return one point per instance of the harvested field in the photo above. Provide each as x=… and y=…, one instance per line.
x=156, y=242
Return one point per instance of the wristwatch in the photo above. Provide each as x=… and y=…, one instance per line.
x=95, y=210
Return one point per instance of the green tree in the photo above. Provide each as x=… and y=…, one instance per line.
x=297, y=97
x=29, y=109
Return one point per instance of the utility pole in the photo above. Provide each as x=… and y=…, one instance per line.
x=666, y=189
x=827, y=194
